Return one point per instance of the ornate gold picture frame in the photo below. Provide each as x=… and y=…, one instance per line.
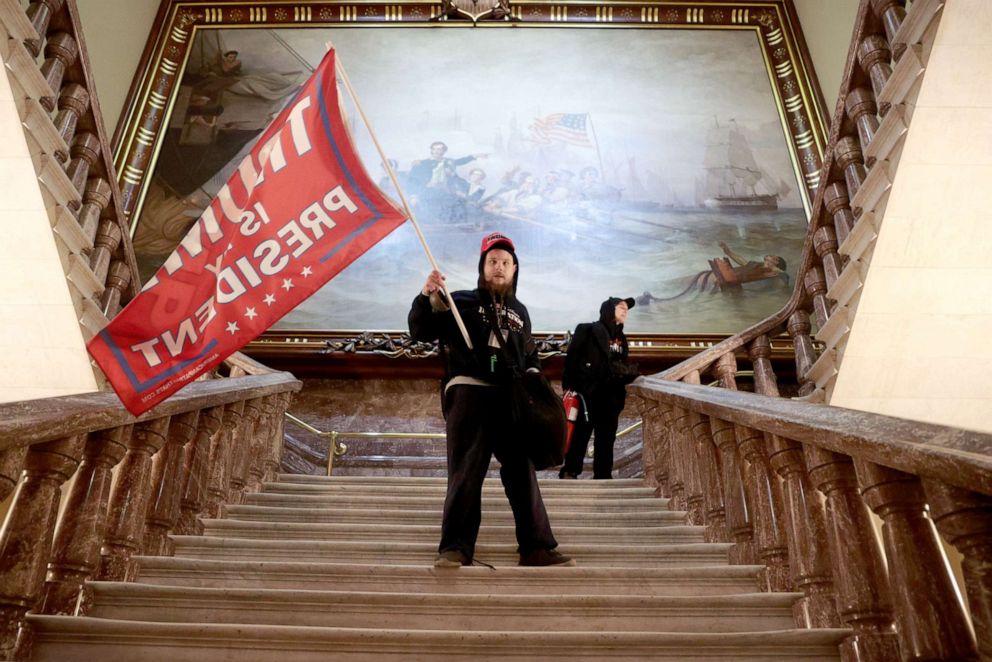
x=661, y=150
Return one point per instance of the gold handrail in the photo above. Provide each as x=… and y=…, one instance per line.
x=341, y=449
x=630, y=428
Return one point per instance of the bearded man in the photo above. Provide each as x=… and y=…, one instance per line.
x=476, y=405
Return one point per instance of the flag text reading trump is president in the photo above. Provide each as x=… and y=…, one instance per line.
x=298, y=209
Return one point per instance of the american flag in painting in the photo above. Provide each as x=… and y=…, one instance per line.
x=571, y=128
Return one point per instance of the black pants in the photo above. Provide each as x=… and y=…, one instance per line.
x=478, y=427
x=603, y=420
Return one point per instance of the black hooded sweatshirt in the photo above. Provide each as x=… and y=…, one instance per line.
x=484, y=362
x=592, y=353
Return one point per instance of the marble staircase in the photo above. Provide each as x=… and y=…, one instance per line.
x=315, y=568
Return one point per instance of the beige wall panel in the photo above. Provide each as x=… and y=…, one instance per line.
x=41, y=345
x=115, y=32
x=827, y=26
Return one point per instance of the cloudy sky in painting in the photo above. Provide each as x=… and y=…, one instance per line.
x=651, y=94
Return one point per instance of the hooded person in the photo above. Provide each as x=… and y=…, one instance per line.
x=477, y=408
x=597, y=370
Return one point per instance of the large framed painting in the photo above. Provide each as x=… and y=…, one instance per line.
x=666, y=151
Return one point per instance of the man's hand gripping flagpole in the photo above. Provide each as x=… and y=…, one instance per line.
x=406, y=205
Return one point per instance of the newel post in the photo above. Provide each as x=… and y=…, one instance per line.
x=769, y=529
x=61, y=51
x=40, y=14
x=74, y=101
x=847, y=151
x=277, y=434
x=807, y=538
x=928, y=609
x=737, y=509
x=803, y=524
x=965, y=520
x=725, y=369
x=891, y=13
x=220, y=459
x=76, y=552
x=684, y=440
x=26, y=536
x=838, y=205
x=858, y=565
x=676, y=479
x=129, y=500
x=860, y=106
x=241, y=451
x=799, y=329
x=656, y=447
x=874, y=57
x=166, y=484
x=197, y=471
x=708, y=458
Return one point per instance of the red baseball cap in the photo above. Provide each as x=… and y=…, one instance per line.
x=495, y=240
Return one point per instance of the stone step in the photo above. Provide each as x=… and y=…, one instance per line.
x=639, y=555
x=84, y=639
x=561, y=489
x=553, y=503
x=748, y=612
x=424, y=578
x=421, y=467
x=411, y=480
x=426, y=533
x=346, y=469
x=433, y=516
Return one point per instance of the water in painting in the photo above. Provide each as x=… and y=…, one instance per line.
x=622, y=162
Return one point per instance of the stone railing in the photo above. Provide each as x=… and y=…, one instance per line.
x=53, y=90
x=130, y=483
x=792, y=485
x=885, y=66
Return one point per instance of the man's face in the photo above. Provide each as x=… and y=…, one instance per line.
x=437, y=151
x=476, y=176
x=498, y=270
x=771, y=261
x=620, y=312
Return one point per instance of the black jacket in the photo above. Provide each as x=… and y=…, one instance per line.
x=588, y=367
x=485, y=363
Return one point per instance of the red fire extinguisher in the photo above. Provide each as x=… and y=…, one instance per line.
x=572, y=402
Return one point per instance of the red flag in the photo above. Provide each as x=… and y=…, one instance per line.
x=298, y=210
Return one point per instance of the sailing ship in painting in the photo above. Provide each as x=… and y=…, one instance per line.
x=733, y=181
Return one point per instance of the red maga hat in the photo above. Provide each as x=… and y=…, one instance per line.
x=495, y=240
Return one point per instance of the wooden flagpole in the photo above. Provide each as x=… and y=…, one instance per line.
x=406, y=205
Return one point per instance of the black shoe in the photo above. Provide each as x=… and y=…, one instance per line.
x=545, y=557
x=567, y=475
x=451, y=558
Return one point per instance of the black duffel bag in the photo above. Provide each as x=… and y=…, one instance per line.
x=539, y=419
x=537, y=412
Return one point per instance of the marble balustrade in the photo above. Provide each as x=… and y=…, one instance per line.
x=793, y=485
x=130, y=482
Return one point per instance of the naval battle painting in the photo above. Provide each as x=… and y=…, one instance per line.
x=653, y=163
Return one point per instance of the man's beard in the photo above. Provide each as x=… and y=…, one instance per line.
x=503, y=290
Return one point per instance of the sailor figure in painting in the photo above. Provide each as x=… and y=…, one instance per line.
x=746, y=271
x=723, y=276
